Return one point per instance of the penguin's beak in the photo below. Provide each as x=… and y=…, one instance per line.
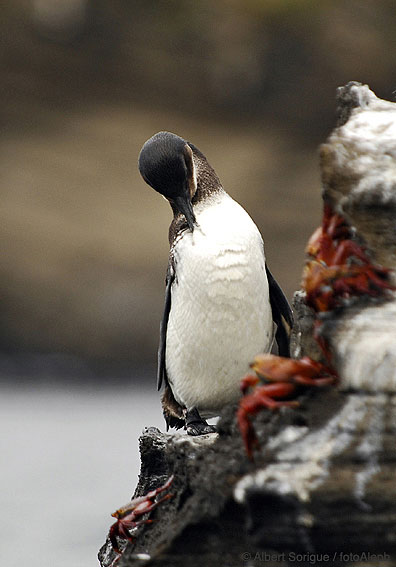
x=184, y=206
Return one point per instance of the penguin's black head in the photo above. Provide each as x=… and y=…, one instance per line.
x=166, y=164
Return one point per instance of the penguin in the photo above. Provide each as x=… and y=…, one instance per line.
x=222, y=304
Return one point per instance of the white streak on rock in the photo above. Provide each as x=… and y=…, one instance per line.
x=194, y=441
x=304, y=464
x=365, y=347
x=370, y=447
x=287, y=435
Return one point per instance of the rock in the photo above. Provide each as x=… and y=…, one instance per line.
x=358, y=164
x=321, y=487
x=358, y=167
x=321, y=483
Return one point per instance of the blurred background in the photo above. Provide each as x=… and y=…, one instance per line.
x=84, y=241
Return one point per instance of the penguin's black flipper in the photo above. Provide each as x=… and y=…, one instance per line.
x=161, y=368
x=281, y=314
x=173, y=412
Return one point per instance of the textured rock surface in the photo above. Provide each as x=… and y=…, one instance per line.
x=358, y=165
x=322, y=484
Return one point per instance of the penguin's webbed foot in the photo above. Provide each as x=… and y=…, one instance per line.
x=195, y=425
x=200, y=428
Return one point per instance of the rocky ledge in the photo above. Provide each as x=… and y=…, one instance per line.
x=322, y=482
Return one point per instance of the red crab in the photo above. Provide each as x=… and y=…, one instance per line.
x=279, y=378
x=129, y=516
x=339, y=269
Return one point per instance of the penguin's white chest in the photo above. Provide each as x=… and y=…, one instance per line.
x=220, y=315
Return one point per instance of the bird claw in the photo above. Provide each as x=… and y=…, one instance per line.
x=200, y=428
x=195, y=425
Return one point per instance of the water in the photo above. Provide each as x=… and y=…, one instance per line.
x=69, y=458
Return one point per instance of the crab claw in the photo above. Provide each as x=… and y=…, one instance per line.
x=266, y=396
x=314, y=242
x=130, y=515
x=282, y=378
x=280, y=369
x=249, y=381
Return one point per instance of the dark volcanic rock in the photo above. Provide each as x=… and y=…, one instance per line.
x=321, y=482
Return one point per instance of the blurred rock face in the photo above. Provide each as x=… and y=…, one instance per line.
x=85, y=240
